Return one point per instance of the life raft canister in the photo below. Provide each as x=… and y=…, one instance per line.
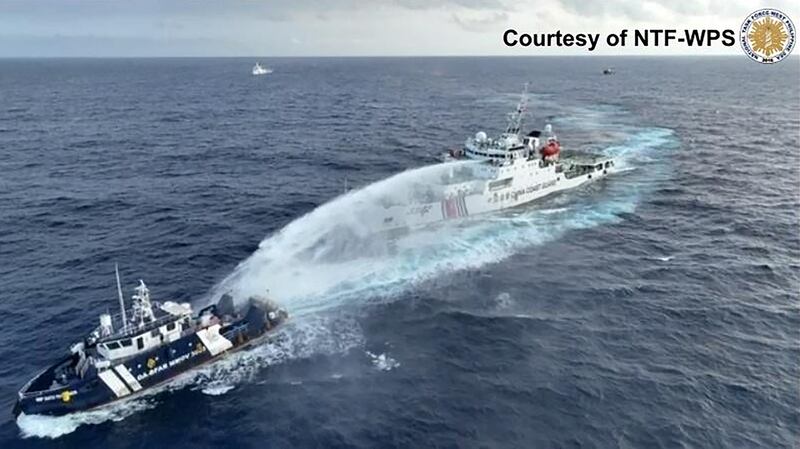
x=551, y=149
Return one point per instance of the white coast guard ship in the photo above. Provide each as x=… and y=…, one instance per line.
x=142, y=347
x=506, y=171
x=258, y=69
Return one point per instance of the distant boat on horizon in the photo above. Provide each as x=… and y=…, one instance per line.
x=259, y=70
x=608, y=71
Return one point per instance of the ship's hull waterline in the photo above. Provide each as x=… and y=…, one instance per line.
x=127, y=384
x=525, y=191
x=85, y=379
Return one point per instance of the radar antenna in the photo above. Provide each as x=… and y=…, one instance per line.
x=515, y=118
x=142, y=308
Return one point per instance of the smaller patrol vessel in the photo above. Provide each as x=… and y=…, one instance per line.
x=259, y=70
x=145, y=346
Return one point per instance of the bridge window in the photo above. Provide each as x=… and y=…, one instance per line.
x=140, y=342
x=171, y=326
x=113, y=345
x=125, y=343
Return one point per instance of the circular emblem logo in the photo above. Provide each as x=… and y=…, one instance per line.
x=767, y=36
x=151, y=363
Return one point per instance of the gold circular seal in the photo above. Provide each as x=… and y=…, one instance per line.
x=767, y=36
x=151, y=363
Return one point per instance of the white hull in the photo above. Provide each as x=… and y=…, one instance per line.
x=507, y=171
x=523, y=188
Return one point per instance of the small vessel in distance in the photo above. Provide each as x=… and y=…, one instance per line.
x=506, y=171
x=259, y=70
x=608, y=71
x=144, y=346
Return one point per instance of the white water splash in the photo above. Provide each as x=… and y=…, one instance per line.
x=56, y=426
x=330, y=246
x=504, y=301
x=328, y=258
x=217, y=388
x=383, y=362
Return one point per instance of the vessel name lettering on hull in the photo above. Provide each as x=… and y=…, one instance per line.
x=533, y=188
x=52, y=397
x=169, y=364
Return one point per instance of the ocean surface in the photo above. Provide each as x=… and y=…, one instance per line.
x=657, y=308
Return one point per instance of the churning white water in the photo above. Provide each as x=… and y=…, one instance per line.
x=331, y=257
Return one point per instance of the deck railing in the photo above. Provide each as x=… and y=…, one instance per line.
x=129, y=329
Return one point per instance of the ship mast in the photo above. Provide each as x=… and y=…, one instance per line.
x=515, y=118
x=121, y=299
x=142, y=308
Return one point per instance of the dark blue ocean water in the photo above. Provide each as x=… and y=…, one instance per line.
x=658, y=308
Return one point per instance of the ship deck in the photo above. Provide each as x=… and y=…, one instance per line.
x=581, y=158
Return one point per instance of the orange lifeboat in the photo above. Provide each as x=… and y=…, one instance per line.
x=551, y=149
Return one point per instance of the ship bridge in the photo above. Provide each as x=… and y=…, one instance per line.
x=151, y=325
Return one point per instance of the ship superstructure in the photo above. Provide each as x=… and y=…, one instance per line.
x=143, y=346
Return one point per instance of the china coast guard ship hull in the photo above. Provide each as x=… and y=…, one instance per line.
x=500, y=173
x=124, y=357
